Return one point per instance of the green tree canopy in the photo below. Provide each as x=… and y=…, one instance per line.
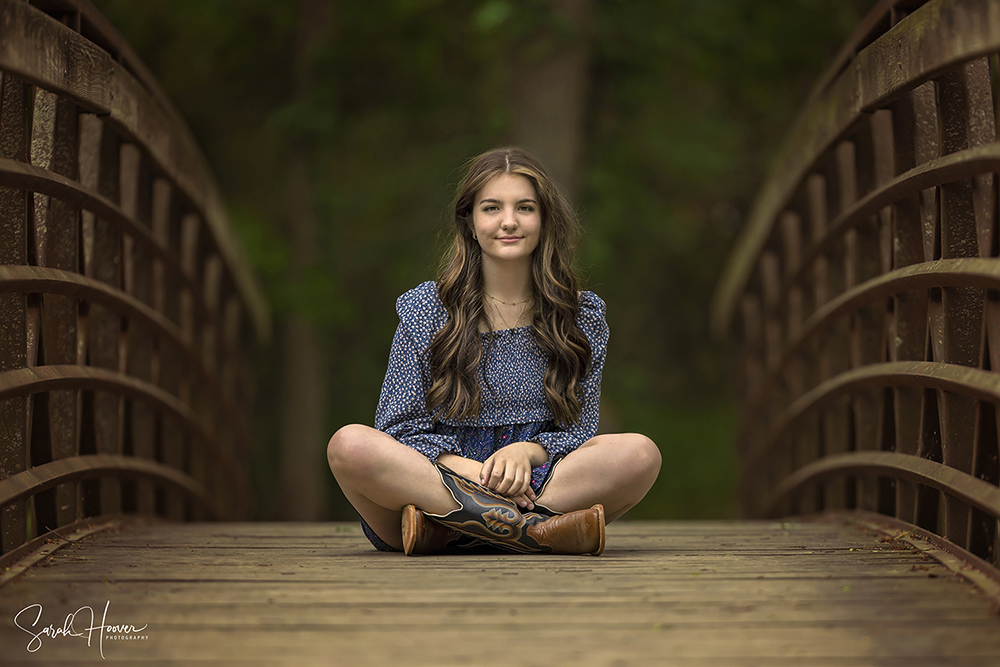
x=686, y=103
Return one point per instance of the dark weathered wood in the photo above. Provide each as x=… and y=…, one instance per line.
x=914, y=50
x=862, y=262
x=137, y=282
x=34, y=48
x=59, y=321
x=102, y=263
x=960, y=486
x=908, y=322
x=103, y=467
x=679, y=594
x=947, y=169
x=28, y=177
x=912, y=280
x=894, y=160
x=13, y=307
x=960, y=313
x=43, y=51
x=118, y=274
x=166, y=299
x=180, y=418
x=63, y=283
x=969, y=382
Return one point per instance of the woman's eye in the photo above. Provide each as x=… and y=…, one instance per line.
x=527, y=208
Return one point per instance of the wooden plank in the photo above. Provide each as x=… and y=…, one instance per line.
x=703, y=592
x=35, y=47
x=835, y=355
x=99, y=172
x=136, y=201
x=908, y=321
x=864, y=338
x=13, y=307
x=171, y=440
x=59, y=321
x=43, y=121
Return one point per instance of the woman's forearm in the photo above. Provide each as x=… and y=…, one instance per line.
x=468, y=468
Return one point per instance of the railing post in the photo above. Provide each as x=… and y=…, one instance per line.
x=14, y=412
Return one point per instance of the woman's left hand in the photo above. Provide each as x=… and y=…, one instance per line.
x=508, y=471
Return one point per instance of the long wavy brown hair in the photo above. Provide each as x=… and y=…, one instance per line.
x=456, y=349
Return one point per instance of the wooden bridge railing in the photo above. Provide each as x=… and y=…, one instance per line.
x=865, y=288
x=123, y=292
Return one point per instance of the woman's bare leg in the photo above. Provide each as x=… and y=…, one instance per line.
x=379, y=475
x=615, y=470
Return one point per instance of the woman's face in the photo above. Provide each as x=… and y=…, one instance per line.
x=506, y=218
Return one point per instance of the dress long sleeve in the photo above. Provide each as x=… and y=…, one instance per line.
x=593, y=324
x=402, y=411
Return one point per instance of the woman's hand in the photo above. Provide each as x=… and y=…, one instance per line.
x=508, y=471
x=525, y=501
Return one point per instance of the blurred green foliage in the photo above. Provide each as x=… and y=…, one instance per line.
x=687, y=101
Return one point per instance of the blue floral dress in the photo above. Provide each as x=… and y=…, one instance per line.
x=513, y=406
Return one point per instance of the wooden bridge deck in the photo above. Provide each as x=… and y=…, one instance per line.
x=732, y=593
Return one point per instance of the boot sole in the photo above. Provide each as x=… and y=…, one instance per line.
x=412, y=527
x=600, y=522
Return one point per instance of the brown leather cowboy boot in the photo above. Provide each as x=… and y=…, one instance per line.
x=421, y=536
x=496, y=519
x=579, y=532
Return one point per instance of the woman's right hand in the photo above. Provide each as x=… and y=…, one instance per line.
x=525, y=501
x=471, y=469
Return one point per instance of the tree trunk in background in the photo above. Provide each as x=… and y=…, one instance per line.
x=303, y=437
x=550, y=94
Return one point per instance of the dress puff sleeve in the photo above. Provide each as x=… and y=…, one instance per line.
x=402, y=409
x=594, y=326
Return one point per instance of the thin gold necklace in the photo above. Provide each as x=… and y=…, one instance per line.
x=523, y=304
x=508, y=303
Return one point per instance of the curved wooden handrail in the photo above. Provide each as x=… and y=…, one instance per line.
x=955, y=483
x=913, y=51
x=46, y=476
x=948, y=169
x=26, y=381
x=974, y=382
x=14, y=174
x=41, y=280
x=859, y=38
x=53, y=56
x=964, y=272
x=28, y=177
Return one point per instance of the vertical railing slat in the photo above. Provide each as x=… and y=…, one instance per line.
x=166, y=289
x=908, y=325
x=13, y=311
x=961, y=310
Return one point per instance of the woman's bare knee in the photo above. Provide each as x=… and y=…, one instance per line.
x=350, y=449
x=645, y=455
x=634, y=455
